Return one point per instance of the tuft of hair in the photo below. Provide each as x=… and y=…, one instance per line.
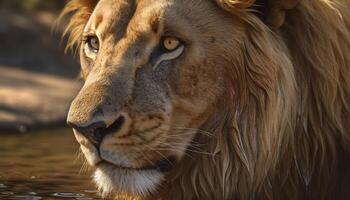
x=80, y=11
x=126, y=184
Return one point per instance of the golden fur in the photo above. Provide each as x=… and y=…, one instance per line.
x=287, y=135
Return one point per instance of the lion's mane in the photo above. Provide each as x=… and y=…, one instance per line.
x=283, y=129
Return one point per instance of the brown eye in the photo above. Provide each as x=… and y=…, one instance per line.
x=170, y=43
x=93, y=43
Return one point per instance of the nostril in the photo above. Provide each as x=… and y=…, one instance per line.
x=116, y=126
x=93, y=132
x=96, y=131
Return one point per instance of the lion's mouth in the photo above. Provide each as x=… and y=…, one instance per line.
x=163, y=165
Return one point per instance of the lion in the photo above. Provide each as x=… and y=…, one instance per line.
x=213, y=100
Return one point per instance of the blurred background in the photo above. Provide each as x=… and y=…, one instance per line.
x=38, y=152
x=37, y=79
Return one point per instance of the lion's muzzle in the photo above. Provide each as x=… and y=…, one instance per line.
x=112, y=125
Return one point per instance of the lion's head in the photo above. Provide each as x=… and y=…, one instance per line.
x=184, y=99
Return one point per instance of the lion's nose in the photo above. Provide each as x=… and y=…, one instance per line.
x=96, y=131
x=93, y=132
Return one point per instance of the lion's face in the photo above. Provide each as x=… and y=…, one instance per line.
x=153, y=73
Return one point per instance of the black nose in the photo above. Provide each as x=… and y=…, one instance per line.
x=96, y=131
x=93, y=132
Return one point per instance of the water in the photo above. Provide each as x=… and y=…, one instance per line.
x=42, y=165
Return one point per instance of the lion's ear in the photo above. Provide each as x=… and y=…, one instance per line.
x=275, y=10
x=272, y=12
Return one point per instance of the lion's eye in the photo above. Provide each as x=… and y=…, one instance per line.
x=93, y=43
x=170, y=43
x=170, y=49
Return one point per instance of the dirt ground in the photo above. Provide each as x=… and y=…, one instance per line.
x=37, y=80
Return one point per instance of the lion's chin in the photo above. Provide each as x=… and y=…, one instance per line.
x=116, y=181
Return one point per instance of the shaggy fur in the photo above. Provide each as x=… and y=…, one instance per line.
x=286, y=136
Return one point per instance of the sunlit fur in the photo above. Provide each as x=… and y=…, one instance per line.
x=287, y=133
x=141, y=184
x=77, y=22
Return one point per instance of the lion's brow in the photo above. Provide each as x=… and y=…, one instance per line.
x=118, y=20
x=98, y=21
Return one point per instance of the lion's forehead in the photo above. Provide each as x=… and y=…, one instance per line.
x=119, y=17
x=116, y=17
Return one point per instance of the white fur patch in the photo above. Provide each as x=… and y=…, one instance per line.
x=111, y=180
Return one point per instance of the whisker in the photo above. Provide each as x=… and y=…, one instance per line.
x=194, y=145
x=178, y=150
x=186, y=151
x=181, y=134
x=194, y=129
x=159, y=153
x=80, y=158
x=171, y=147
x=146, y=157
x=84, y=168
